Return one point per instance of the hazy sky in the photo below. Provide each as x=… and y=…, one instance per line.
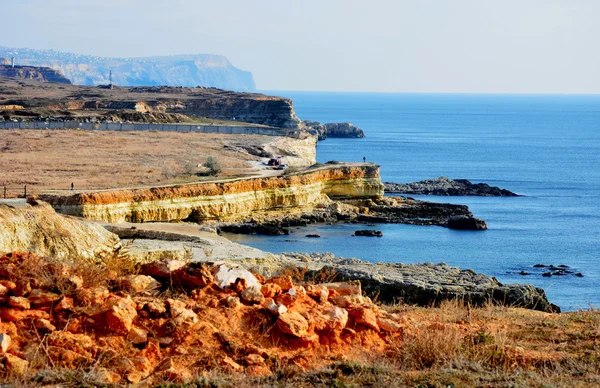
x=501, y=46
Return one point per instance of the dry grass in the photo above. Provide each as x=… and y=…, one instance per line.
x=52, y=159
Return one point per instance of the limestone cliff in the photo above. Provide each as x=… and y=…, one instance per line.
x=176, y=70
x=225, y=200
x=44, y=74
x=195, y=102
x=37, y=228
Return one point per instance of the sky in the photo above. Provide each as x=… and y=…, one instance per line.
x=446, y=46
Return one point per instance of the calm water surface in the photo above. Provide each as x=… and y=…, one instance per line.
x=544, y=147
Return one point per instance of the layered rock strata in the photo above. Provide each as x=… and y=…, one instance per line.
x=43, y=74
x=225, y=200
x=446, y=186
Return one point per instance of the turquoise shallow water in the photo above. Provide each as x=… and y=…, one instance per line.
x=544, y=147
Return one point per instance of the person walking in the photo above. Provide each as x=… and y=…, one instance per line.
x=364, y=159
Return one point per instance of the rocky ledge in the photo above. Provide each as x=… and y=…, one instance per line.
x=422, y=284
x=447, y=187
x=388, y=210
x=323, y=131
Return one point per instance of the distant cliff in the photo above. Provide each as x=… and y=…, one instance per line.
x=44, y=74
x=180, y=70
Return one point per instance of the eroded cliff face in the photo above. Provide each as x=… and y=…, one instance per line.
x=37, y=228
x=43, y=74
x=225, y=200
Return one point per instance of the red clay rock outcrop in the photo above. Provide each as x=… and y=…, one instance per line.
x=125, y=332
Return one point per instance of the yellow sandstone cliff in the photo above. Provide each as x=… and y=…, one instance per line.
x=225, y=200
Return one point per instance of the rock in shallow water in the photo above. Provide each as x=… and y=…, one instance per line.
x=466, y=223
x=369, y=233
x=446, y=186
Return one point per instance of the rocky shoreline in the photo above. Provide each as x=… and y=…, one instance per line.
x=387, y=210
x=444, y=186
x=421, y=284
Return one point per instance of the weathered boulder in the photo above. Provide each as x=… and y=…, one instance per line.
x=293, y=323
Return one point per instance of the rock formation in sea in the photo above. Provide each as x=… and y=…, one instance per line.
x=446, y=187
x=323, y=131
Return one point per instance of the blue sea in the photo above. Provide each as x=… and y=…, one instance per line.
x=545, y=147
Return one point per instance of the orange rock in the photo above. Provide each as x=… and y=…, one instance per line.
x=364, y=316
x=183, y=316
x=13, y=314
x=293, y=295
x=139, y=284
x=14, y=365
x=8, y=284
x=193, y=275
x=284, y=282
x=388, y=325
x=42, y=298
x=92, y=296
x=319, y=292
x=174, y=371
x=137, y=336
x=23, y=287
x=78, y=343
x=65, y=304
x=19, y=302
x=120, y=316
x=239, y=285
x=162, y=269
x=343, y=288
x=3, y=290
x=270, y=290
x=334, y=318
x=293, y=323
x=258, y=370
x=156, y=308
x=231, y=365
x=255, y=359
x=44, y=325
x=274, y=308
x=348, y=300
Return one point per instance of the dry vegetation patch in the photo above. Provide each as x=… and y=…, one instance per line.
x=53, y=159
